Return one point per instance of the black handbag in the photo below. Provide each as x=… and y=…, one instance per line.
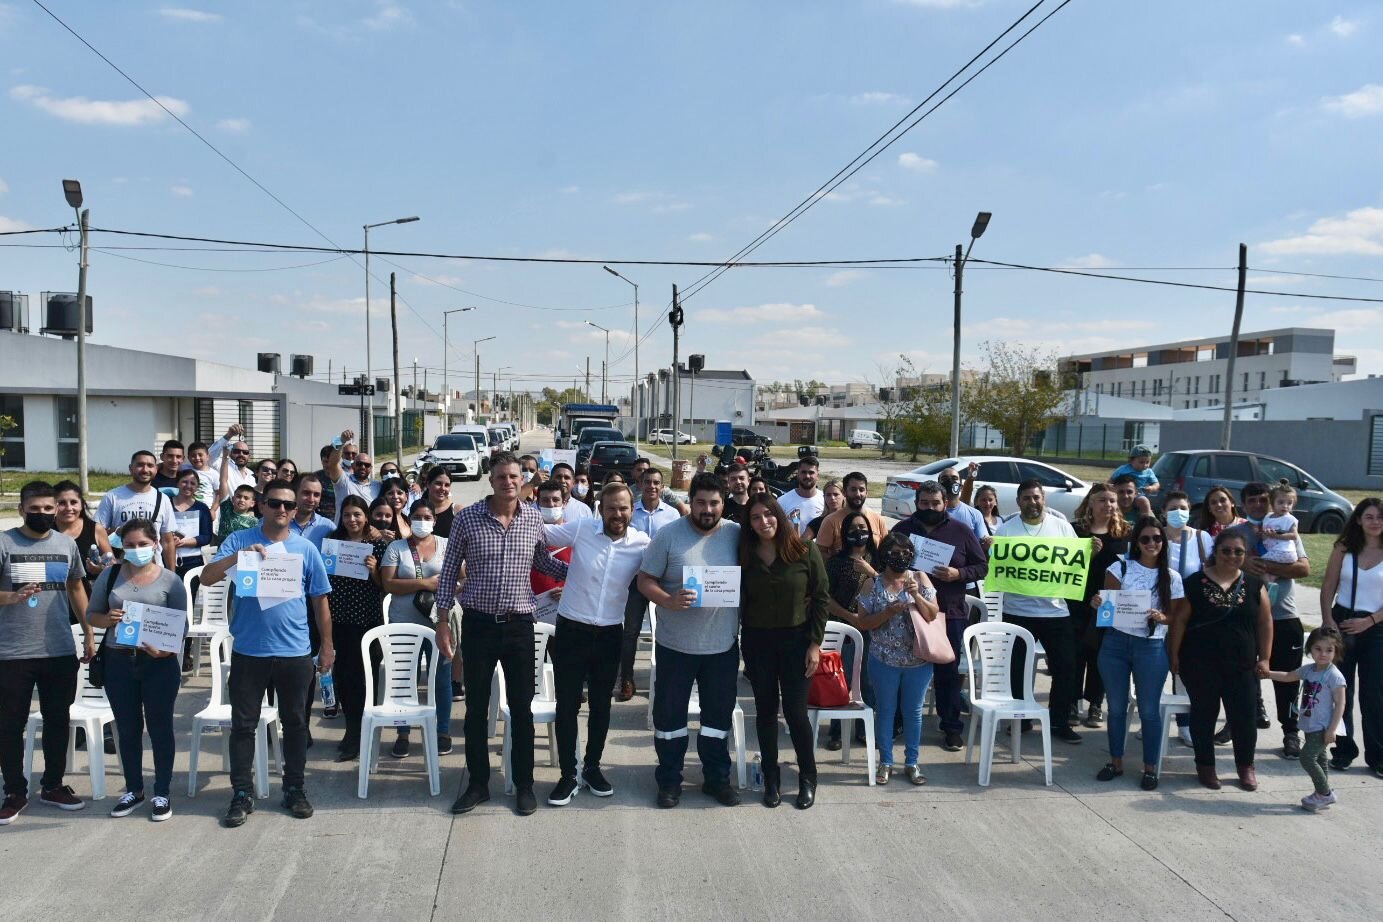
x=96, y=669
x=424, y=600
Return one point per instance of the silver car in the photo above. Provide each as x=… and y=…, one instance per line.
x=1064, y=491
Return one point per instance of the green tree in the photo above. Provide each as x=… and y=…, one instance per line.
x=1018, y=393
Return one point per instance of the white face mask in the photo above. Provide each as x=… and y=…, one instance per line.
x=551, y=514
x=1177, y=518
x=580, y=490
x=527, y=476
x=423, y=527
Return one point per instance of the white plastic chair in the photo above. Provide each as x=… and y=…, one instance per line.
x=836, y=635
x=217, y=715
x=1172, y=703
x=544, y=703
x=399, y=704
x=207, y=613
x=90, y=712
x=993, y=604
x=694, y=707
x=991, y=698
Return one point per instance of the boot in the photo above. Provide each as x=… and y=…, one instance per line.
x=772, y=781
x=1248, y=778
x=806, y=791
x=1207, y=776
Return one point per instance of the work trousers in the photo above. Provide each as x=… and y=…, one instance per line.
x=714, y=675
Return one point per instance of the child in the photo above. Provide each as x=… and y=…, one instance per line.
x=1278, y=532
x=237, y=513
x=1322, y=705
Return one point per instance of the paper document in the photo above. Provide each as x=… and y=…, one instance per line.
x=346, y=558
x=547, y=607
x=1126, y=610
x=715, y=587
x=277, y=576
x=153, y=626
x=930, y=554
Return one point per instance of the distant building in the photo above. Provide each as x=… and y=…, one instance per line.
x=1191, y=374
x=706, y=397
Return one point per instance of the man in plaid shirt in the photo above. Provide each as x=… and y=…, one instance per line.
x=499, y=539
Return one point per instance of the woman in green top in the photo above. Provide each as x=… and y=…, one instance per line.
x=784, y=595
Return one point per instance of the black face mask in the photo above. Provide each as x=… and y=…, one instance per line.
x=40, y=521
x=951, y=487
x=899, y=562
x=857, y=539
x=930, y=517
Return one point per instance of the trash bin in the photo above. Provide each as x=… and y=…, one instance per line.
x=681, y=474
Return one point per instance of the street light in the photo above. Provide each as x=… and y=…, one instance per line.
x=605, y=368
x=976, y=231
x=446, y=349
x=638, y=393
x=369, y=363
x=494, y=387
x=475, y=347
x=72, y=191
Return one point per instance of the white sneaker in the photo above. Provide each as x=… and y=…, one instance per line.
x=1184, y=733
x=1325, y=800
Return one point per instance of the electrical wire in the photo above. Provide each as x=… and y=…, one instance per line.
x=150, y=262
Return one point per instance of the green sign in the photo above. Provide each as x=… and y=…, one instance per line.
x=1045, y=567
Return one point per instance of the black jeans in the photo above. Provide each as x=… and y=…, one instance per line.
x=142, y=690
x=1285, y=656
x=348, y=675
x=948, y=680
x=1364, y=657
x=634, y=611
x=714, y=675
x=583, y=654
x=1210, y=681
x=1058, y=638
x=485, y=644
x=776, y=661
x=1086, y=682
x=289, y=677
x=56, y=678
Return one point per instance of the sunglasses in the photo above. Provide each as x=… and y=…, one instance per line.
x=289, y=504
x=268, y=470
x=362, y=464
x=1149, y=539
x=240, y=451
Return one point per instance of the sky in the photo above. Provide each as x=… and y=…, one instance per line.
x=1149, y=135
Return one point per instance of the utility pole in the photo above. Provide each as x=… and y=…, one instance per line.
x=588, y=377
x=398, y=397
x=1234, y=347
x=675, y=321
x=955, y=358
x=82, y=441
x=415, y=390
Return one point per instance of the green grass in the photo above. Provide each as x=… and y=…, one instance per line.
x=99, y=481
x=1318, y=549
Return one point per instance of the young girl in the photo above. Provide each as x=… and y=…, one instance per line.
x=1322, y=705
x=1280, y=528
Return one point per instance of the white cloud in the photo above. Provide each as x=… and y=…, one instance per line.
x=12, y=224
x=1343, y=27
x=438, y=280
x=1089, y=261
x=1296, y=40
x=810, y=338
x=700, y=237
x=182, y=191
x=182, y=14
x=97, y=111
x=1363, y=102
x=326, y=305
x=844, y=277
x=1016, y=327
x=879, y=98
x=4, y=187
x=762, y=313
x=570, y=190
x=1350, y=320
x=658, y=202
x=1358, y=233
x=387, y=17
x=916, y=162
x=558, y=253
x=879, y=200
x=849, y=192
x=207, y=291
x=234, y=125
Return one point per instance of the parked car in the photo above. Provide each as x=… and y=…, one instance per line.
x=1318, y=509
x=457, y=452
x=1064, y=491
x=664, y=437
x=592, y=434
x=868, y=438
x=742, y=435
x=612, y=456
x=482, y=441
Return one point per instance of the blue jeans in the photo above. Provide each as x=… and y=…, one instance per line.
x=890, y=684
x=1145, y=660
x=141, y=690
x=403, y=612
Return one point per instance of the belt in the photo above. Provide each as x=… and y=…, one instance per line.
x=566, y=623
x=475, y=614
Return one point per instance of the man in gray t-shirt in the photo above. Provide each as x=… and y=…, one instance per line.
x=693, y=645
x=41, y=596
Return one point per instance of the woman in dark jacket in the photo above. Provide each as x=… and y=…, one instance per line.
x=784, y=595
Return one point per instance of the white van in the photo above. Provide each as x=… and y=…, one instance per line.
x=862, y=438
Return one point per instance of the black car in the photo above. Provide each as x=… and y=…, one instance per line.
x=589, y=436
x=607, y=457
x=1319, y=509
x=743, y=435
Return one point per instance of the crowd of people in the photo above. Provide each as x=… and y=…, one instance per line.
x=606, y=556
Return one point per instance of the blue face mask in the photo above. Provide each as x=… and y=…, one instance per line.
x=139, y=556
x=1177, y=518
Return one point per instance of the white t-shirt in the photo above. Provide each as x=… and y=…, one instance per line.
x=122, y=504
x=1133, y=575
x=575, y=510
x=347, y=485
x=1183, y=556
x=1031, y=606
x=210, y=483
x=802, y=509
x=1280, y=550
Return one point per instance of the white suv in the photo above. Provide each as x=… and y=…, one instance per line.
x=664, y=437
x=457, y=452
x=860, y=438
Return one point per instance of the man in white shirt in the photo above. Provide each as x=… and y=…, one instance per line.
x=1048, y=619
x=139, y=500
x=355, y=482
x=605, y=556
x=650, y=514
x=806, y=502
x=573, y=510
x=231, y=447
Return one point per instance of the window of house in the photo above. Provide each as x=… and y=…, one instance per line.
x=12, y=442
x=66, y=410
x=1198, y=384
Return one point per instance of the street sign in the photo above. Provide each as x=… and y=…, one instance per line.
x=355, y=390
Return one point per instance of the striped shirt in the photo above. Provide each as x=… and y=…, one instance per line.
x=497, y=559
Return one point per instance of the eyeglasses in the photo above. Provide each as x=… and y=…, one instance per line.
x=1149, y=539
x=268, y=470
x=289, y=504
x=1232, y=551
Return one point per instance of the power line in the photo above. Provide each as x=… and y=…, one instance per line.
x=1320, y=275
x=150, y=262
x=476, y=294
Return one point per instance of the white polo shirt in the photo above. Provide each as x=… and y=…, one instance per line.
x=600, y=572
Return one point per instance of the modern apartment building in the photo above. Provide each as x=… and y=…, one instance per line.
x=1191, y=374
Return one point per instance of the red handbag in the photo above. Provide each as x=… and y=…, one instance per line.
x=829, y=688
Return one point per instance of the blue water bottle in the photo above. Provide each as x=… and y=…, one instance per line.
x=328, y=690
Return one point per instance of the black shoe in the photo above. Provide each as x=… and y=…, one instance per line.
x=724, y=793
x=1338, y=764
x=595, y=782
x=400, y=750
x=1263, y=721
x=1026, y=726
x=1109, y=772
x=347, y=755
x=330, y=712
x=1224, y=736
x=443, y=744
x=806, y=793
x=295, y=802
x=525, y=803
x=669, y=798
x=1291, y=746
x=772, y=778
x=109, y=746
x=1066, y=735
x=833, y=743
x=458, y=692
x=128, y=803
x=472, y=797
x=241, y=806
x=1149, y=782
x=952, y=742
x=562, y=794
